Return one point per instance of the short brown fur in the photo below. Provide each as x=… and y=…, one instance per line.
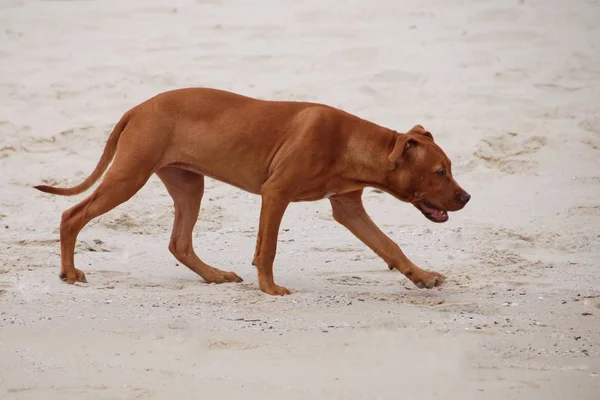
x=281, y=150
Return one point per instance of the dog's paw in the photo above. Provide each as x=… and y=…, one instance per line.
x=275, y=290
x=76, y=276
x=218, y=276
x=429, y=280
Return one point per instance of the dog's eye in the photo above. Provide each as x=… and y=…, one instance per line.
x=441, y=173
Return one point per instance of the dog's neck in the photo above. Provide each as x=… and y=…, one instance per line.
x=367, y=152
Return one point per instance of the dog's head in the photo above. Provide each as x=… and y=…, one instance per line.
x=421, y=173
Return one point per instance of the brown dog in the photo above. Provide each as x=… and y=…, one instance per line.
x=283, y=151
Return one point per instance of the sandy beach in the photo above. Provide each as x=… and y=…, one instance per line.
x=510, y=90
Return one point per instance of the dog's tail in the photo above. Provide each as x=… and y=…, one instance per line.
x=109, y=151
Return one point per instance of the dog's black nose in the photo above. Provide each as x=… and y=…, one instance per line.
x=464, y=197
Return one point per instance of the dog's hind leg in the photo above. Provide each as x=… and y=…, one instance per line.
x=121, y=182
x=186, y=188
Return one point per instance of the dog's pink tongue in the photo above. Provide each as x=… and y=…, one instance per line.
x=436, y=214
x=439, y=215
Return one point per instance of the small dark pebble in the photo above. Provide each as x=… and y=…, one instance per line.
x=564, y=302
x=586, y=314
x=577, y=337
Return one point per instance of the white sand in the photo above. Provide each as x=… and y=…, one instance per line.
x=510, y=89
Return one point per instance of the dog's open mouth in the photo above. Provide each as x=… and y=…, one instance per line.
x=432, y=213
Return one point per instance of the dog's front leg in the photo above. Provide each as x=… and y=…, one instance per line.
x=274, y=204
x=348, y=210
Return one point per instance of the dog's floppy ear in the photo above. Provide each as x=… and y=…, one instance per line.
x=419, y=130
x=403, y=144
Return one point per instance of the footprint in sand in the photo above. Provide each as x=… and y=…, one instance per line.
x=140, y=223
x=592, y=143
x=574, y=243
x=502, y=152
x=585, y=211
x=71, y=138
x=58, y=182
x=4, y=287
x=39, y=242
x=95, y=245
x=591, y=125
x=353, y=280
x=588, y=180
x=419, y=298
x=161, y=221
x=505, y=260
x=212, y=218
x=7, y=151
